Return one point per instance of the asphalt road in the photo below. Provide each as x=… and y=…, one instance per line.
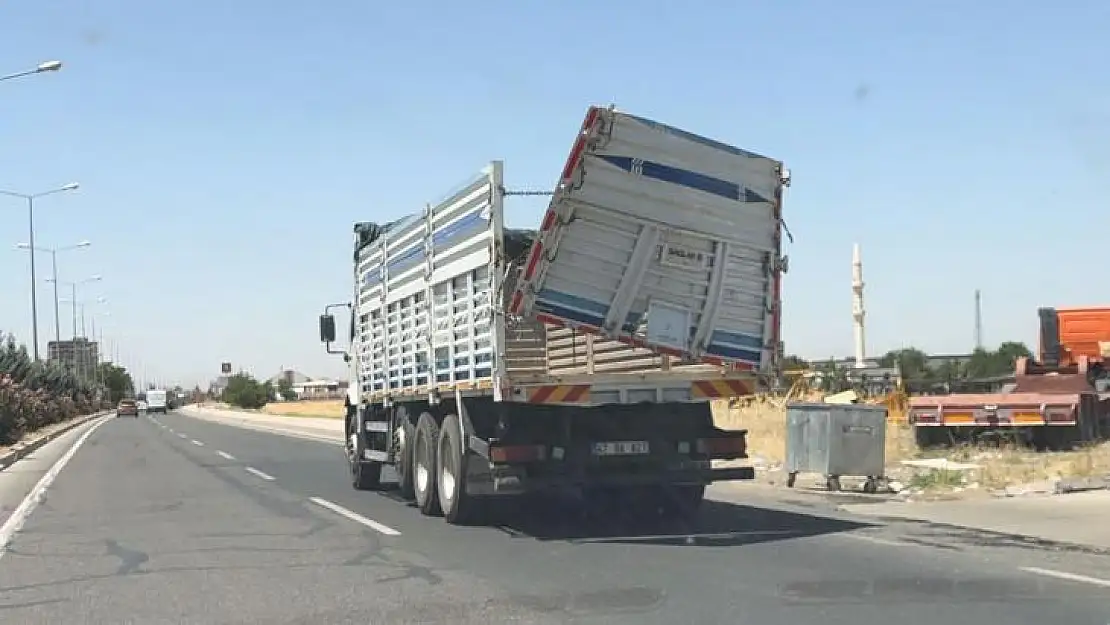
x=172, y=519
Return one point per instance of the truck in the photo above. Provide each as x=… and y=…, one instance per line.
x=1055, y=401
x=156, y=401
x=488, y=362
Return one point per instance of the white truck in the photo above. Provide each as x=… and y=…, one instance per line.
x=156, y=401
x=488, y=362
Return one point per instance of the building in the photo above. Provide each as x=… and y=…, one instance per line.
x=79, y=355
x=321, y=389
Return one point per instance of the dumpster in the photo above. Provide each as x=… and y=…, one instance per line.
x=836, y=440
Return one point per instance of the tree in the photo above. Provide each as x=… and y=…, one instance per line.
x=117, y=381
x=285, y=389
x=243, y=391
x=793, y=362
x=912, y=363
x=988, y=364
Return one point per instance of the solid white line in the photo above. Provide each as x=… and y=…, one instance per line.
x=15, y=522
x=354, y=516
x=1071, y=577
x=198, y=443
x=225, y=455
x=255, y=472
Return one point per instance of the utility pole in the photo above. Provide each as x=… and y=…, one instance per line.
x=978, y=320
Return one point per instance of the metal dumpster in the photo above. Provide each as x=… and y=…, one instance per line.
x=836, y=440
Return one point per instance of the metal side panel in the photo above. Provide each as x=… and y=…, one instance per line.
x=664, y=239
x=425, y=295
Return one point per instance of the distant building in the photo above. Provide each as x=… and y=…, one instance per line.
x=79, y=355
x=321, y=389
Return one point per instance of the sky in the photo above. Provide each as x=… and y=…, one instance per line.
x=225, y=148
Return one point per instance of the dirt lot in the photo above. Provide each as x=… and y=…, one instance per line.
x=330, y=408
x=996, y=467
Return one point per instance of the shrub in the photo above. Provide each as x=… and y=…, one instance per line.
x=36, y=394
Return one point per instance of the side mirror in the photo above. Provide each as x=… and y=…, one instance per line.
x=327, y=329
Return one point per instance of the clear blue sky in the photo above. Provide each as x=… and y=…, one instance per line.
x=225, y=148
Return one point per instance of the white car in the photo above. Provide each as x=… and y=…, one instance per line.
x=142, y=406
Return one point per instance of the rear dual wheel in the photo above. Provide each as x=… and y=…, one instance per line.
x=439, y=475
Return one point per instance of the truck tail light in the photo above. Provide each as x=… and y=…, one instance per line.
x=724, y=447
x=509, y=454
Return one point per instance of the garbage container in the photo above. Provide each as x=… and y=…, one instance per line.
x=836, y=440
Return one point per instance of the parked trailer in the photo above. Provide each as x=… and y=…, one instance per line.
x=489, y=362
x=1055, y=402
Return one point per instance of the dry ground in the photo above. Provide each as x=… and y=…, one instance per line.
x=329, y=408
x=999, y=466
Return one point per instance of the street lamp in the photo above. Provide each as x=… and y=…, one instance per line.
x=53, y=251
x=30, y=198
x=47, y=66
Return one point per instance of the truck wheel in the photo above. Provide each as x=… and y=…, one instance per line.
x=458, y=508
x=405, y=469
x=364, y=475
x=424, y=464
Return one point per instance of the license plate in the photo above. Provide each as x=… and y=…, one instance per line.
x=621, y=448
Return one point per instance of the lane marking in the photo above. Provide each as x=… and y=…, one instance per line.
x=197, y=443
x=255, y=472
x=225, y=455
x=354, y=516
x=1071, y=577
x=15, y=522
x=180, y=435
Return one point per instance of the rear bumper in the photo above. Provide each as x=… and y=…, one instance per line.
x=517, y=480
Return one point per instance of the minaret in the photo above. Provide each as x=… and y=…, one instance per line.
x=858, y=312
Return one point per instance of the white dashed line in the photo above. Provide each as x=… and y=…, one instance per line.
x=225, y=455
x=197, y=443
x=354, y=516
x=255, y=472
x=180, y=435
x=1071, y=577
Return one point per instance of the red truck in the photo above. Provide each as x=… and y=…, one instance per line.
x=1057, y=400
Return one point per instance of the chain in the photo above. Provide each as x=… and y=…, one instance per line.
x=506, y=193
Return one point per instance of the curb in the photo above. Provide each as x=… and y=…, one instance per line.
x=23, y=449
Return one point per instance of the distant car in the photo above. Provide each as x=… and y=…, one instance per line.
x=127, y=407
x=141, y=405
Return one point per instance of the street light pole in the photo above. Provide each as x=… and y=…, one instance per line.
x=48, y=66
x=57, y=317
x=30, y=198
x=34, y=294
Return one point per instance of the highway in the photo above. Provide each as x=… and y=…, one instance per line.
x=171, y=519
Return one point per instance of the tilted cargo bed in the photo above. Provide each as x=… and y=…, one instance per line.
x=662, y=239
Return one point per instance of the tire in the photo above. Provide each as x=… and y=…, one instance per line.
x=405, y=466
x=364, y=475
x=424, y=463
x=458, y=507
